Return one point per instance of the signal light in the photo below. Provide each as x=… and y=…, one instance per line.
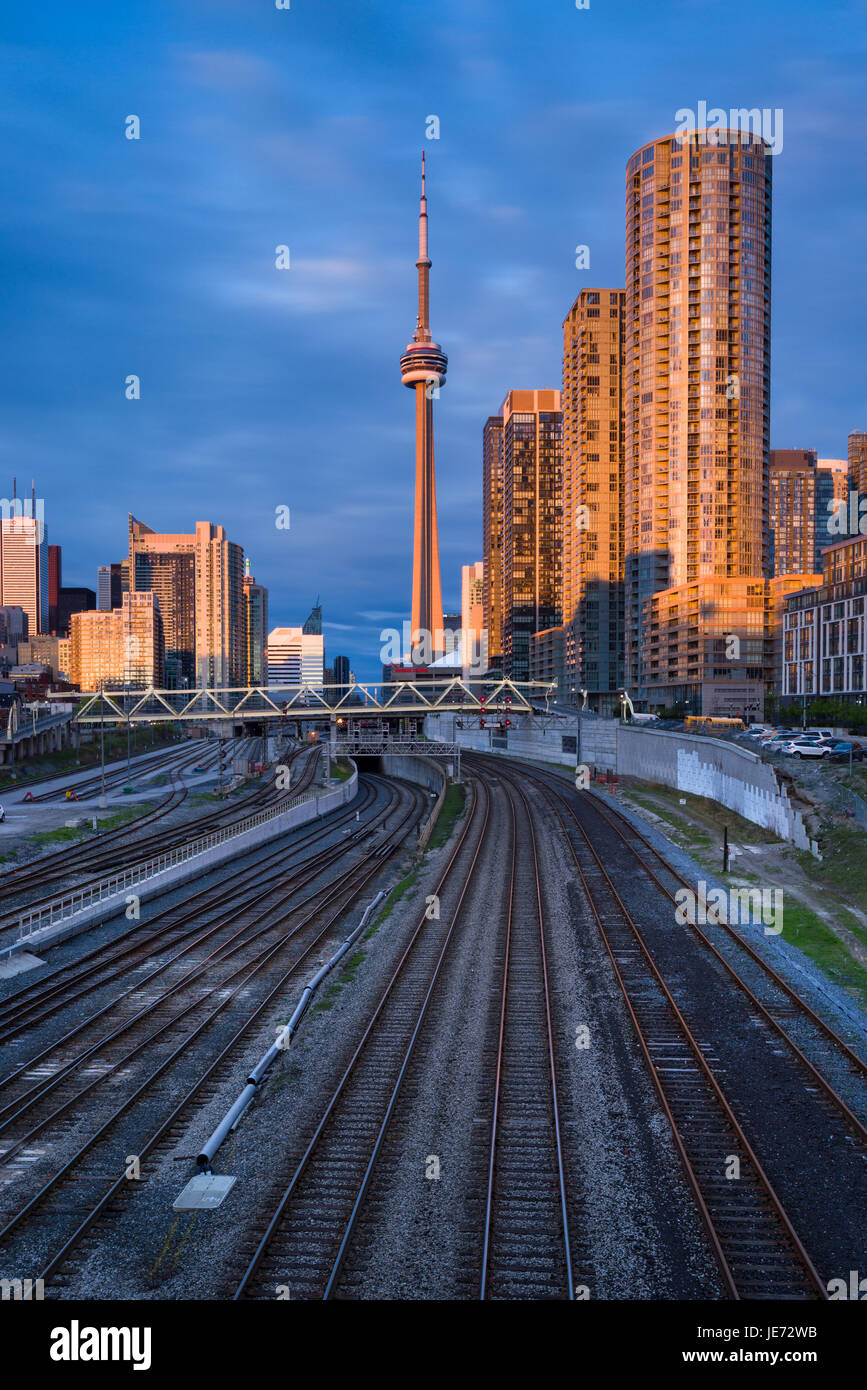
x=508, y=723
x=481, y=723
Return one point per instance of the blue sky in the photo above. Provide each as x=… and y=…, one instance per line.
x=259, y=127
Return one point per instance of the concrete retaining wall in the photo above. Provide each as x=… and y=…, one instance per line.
x=195, y=867
x=709, y=767
x=424, y=772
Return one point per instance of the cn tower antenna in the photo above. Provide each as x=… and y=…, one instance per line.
x=423, y=369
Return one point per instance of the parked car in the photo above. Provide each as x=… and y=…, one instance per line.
x=807, y=748
x=776, y=741
x=2, y=815
x=841, y=751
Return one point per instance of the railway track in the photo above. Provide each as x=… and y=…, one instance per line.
x=315, y=1235
x=170, y=928
x=526, y=1249
x=221, y=999
x=106, y=854
x=753, y=1235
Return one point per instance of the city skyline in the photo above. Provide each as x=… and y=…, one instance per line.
x=237, y=359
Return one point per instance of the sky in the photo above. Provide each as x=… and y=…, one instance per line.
x=265, y=388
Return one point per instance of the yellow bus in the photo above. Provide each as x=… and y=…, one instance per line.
x=709, y=723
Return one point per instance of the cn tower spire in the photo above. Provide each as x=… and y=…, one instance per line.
x=422, y=331
x=423, y=369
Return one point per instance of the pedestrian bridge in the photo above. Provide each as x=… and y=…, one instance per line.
x=312, y=703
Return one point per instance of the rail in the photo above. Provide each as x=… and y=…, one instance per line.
x=89, y=894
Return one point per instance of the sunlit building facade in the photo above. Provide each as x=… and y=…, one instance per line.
x=697, y=404
x=296, y=657
x=198, y=580
x=825, y=628
x=255, y=629
x=492, y=535
x=118, y=647
x=24, y=561
x=593, y=497
x=793, y=511
x=857, y=461
x=532, y=522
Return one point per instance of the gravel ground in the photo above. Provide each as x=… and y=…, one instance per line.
x=124, y=1257
x=639, y=1236
x=636, y=1232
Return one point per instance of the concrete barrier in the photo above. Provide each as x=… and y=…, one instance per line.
x=424, y=772
x=709, y=767
x=85, y=907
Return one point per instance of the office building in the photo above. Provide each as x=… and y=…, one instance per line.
x=532, y=522
x=109, y=587
x=72, y=600
x=492, y=536
x=296, y=657
x=118, y=647
x=198, y=580
x=825, y=628
x=24, y=559
x=54, y=583
x=857, y=461
x=255, y=629
x=793, y=515
x=474, y=658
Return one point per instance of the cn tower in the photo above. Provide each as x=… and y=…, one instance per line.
x=423, y=369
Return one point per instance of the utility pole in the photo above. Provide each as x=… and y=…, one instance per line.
x=128, y=735
x=102, y=800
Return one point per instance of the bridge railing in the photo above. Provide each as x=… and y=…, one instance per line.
x=77, y=899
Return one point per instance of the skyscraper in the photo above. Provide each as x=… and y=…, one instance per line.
x=165, y=564
x=423, y=369
x=793, y=512
x=55, y=581
x=593, y=493
x=255, y=629
x=24, y=559
x=492, y=535
x=72, y=600
x=341, y=673
x=532, y=522
x=119, y=646
x=295, y=657
x=832, y=494
x=697, y=407
x=474, y=637
x=109, y=587
x=858, y=461
x=198, y=579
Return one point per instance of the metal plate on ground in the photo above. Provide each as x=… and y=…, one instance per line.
x=204, y=1192
x=15, y=965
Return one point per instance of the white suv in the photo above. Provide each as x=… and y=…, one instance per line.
x=807, y=748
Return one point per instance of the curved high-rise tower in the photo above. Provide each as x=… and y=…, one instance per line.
x=423, y=369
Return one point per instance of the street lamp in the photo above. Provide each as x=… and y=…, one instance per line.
x=11, y=728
